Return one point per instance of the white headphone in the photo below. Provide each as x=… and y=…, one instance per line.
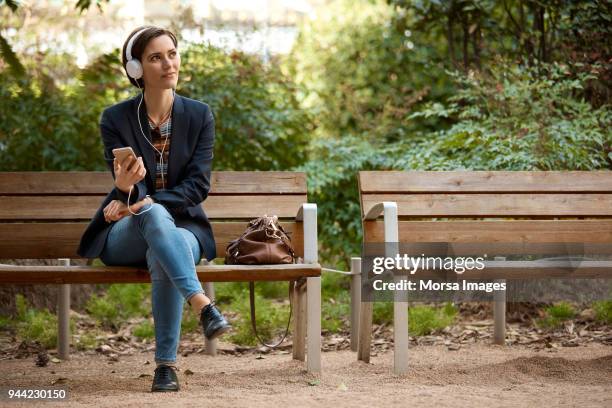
x=133, y=66
x=134, y=70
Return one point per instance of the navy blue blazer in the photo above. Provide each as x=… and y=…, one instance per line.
x=189, y=166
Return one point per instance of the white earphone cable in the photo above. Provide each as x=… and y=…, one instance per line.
x=161, y=154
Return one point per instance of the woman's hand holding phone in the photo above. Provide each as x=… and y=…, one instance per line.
x=128, y=172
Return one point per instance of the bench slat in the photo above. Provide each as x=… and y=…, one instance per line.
x=518, y=231
x=84, y=207
x=210, y=273
x=60, y=240
x=76, y=183
x=522, y=270
x=495, y=205
x=484, y=181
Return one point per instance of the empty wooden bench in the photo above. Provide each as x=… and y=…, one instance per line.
x=553, y=208
x=43, y=214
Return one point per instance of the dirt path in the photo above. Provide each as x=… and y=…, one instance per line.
x=476, y=376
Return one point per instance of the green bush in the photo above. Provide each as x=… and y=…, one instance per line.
x=144, y=330
x=89, y=340
x=259, y=122
x=5, y=322
x=37, y=325
x=556, y=315
x=336, y=312
x=121, y=301
x=104, y=311
x=190, y=322
x=53, y=114
x=382, y=313
x=511, y=119
x=271, y=320
x=603, y=311
x=362, y=74
x=424, y=320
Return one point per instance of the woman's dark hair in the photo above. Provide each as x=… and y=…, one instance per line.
x=140, y=44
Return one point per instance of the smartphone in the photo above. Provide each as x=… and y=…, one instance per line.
x=123, y=152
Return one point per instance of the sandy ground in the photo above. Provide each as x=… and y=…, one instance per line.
x=478, y=375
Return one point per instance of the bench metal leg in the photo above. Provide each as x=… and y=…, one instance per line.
x=400, y=332
x=63, y=317
x=211, y=345
x=313, y=290
x=313, y=298
x=400, y=305
x=355, y=300
x=365, y=331
x=499, y=311
x=299, y=320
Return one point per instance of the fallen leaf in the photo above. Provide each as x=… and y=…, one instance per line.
x=314, y=382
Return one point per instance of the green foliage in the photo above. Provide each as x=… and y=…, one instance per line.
x=144, y=330
x=104, y=311
x=423, y=320
x=382, y=313
x=362, y=74
x=517, y=119
x=5, y=322
x=336, y=312
x=512, y=119
x=190, y=322
x=556, y=315
x=121, y=301
x=603, y=311
x=50, y=116
x=271, y=320
x=90, y=339
x=37, y=325
x=259, y=122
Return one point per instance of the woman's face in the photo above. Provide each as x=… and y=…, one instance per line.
x=160, y=63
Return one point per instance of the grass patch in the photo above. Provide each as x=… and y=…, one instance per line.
x=382, y=312
x=423, y=320
x=6, y=322
x=90, y=340
x=121, y=301
x=336, y=312
x=144, y=330
x=271, y=319
x=190, y=322
x=556, y=315
x=37, y=325
x=603, y=311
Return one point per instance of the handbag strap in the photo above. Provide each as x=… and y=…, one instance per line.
x=254, y=324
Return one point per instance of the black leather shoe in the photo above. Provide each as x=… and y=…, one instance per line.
x=212, y=321
x=164, y=379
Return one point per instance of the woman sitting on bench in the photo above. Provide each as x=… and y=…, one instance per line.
x=153, y=217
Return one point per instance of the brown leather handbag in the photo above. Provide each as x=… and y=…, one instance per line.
x=264, y=242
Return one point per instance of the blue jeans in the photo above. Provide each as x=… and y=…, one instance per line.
x=152, y=240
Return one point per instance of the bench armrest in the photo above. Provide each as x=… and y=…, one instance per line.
x=389, y=211
x=308, y=215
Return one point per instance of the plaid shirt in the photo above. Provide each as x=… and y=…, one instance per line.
x=158, y=136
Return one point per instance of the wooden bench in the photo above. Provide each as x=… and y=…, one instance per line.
x=43, y=214
x=552, y=208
